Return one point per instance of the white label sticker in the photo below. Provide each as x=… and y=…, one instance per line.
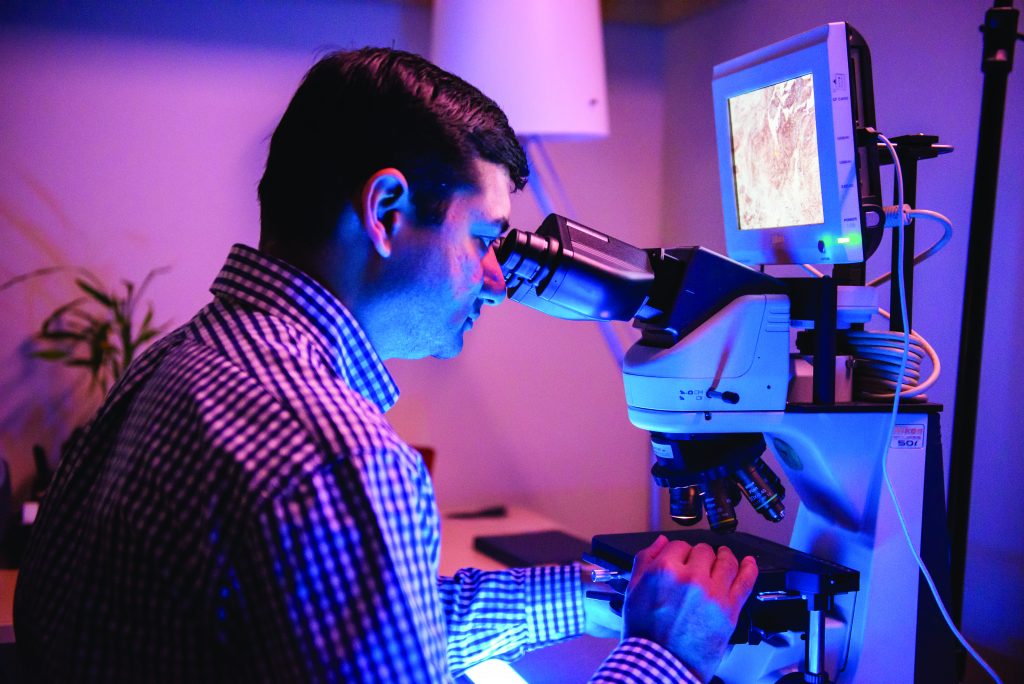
x=907, y=437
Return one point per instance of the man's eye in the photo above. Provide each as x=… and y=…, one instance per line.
x=487, y=241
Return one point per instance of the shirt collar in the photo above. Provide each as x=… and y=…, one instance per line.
x=278, y=288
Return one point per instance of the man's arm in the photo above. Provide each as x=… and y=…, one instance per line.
x=319, y=592
x=681, y=608
x=506, y=613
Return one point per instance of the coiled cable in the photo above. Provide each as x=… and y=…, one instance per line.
x=877, y=355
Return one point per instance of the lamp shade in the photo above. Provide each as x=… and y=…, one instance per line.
x=542, y=61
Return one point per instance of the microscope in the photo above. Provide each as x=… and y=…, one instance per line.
x=716, y=381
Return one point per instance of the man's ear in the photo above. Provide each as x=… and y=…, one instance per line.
x=385, y=202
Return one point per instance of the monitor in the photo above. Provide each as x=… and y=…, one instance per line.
x=794, y=181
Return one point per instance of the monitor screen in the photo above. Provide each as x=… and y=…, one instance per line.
x=775, y=155
x=785, y=125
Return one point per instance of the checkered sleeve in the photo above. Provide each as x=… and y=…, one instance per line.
x=319, y=581
x=505, y=613
x=639, y=661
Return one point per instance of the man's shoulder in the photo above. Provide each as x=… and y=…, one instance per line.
x=281, y=419
x=260, y=367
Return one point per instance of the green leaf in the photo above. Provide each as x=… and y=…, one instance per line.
x=57, y=335
x=100, y=344
x=145, y=336
x=51, y=354
x=82, y=320
x=149, y=277
x=93, y=292
x=31, y=275
x=57, y=313
x=123, y=331
x=129, y=296
x=97, y=331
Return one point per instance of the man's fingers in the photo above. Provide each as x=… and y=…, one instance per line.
x=744, y=582
x=651, y=552
x=725, y=567
x=655, y=548
x=700, y=560
x=644, y=557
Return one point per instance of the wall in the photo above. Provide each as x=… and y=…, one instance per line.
x=133, y=137
x=926, y=58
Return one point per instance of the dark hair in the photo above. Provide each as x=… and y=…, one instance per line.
x=360, y=111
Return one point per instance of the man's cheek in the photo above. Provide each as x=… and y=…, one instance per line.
x=469, y=274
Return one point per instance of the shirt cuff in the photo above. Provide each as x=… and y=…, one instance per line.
x=640, y=661
x=554, y=610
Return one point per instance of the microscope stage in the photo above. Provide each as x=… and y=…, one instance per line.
x=781, y=569
x=786, y=578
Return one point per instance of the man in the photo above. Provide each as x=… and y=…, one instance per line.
x=240, y=510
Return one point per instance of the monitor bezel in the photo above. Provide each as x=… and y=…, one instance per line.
x=838, y=239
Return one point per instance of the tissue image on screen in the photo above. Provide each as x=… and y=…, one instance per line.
x=775, y=156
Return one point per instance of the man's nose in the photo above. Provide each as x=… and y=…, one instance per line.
x=493, y=289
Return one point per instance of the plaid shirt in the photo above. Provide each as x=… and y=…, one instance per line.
x=240, y=510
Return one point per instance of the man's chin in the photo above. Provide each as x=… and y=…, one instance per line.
x=452, y=349
x=450, y=352
x=452, y=346
x=456, y=341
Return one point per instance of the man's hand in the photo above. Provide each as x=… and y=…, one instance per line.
x=688, y=600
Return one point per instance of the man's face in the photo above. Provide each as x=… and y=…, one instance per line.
x=447, y=273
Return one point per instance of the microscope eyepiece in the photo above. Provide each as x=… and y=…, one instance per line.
x=526, y=257
x=570, y=271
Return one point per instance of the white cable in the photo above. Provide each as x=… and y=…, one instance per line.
x=892, y=427
x=813, y=271
x=890, y=213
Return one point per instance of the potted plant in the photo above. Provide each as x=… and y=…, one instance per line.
x=99, y=331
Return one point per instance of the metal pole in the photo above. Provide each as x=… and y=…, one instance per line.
x=908, y=163
x=1000, y=35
